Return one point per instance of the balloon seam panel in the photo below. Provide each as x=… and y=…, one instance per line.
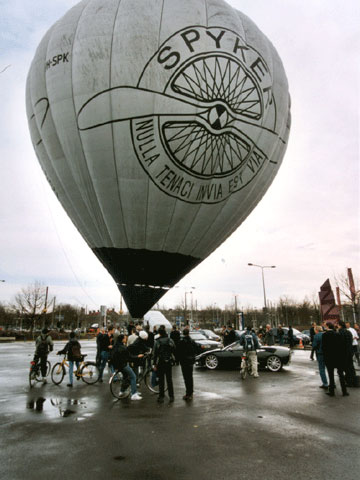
x=90, y=192
x=112, y=125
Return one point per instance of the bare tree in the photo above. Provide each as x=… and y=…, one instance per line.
x=30, y=302
x=350, y=292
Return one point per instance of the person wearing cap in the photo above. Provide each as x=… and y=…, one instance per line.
x=43, y=345
x=137, y=351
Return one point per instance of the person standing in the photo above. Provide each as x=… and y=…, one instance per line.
x=186, y=354
x=355, y=341
x=43, y=346
x=130, y=327
x=334, y=351
x=350, y=373
x=73, y=350
x=175, y=337
x=164, y=349
x=132, y=337
x=105, y=346
x=229, y=335
x=317, y=347
x=137, y=350
x=291, y=337
x=250, y=343
x=312, y=335
x=269, y=336
x=280, y=332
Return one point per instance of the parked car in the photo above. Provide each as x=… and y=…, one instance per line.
x=210, y=334
x=297, y=335
x=271, y=357
x=203, y=344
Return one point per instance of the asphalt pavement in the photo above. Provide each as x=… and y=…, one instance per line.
x=277, y=426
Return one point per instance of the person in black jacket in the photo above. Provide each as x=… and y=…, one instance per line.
x=334, y=351
x=350, y=373
x=73, y=350
x=186, y=350
x=175, y=337
x=120, y=359
x=164, y=349
x=229, y=335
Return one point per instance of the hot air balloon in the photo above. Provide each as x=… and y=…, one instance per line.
x=159, y=125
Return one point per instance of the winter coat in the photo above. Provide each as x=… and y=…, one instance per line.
x=334, y=349
x=186, y=350
x=44, y=337
x=269, y=338
x=68, y=349
x=120, y=356
x=164, y=348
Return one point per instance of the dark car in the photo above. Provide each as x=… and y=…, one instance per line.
x=209, y=334
x=271, y=357
x=203, y=344
x=297, y=336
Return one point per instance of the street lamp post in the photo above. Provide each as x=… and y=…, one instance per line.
x=191, y=306
x=263, y=279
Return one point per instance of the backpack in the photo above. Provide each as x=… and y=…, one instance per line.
x=43, y=347
x=249, y=342
x=76, y=350
x=165, y=351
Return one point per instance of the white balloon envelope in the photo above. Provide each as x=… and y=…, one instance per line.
x=159, y=125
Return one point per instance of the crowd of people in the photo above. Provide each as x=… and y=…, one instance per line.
x=334, y=345
x=125, y=352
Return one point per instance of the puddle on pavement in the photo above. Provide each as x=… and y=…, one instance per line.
x=209, y=395
x=56, y=407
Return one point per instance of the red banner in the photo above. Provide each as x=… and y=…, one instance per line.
x=329, y=310
x=351, y=284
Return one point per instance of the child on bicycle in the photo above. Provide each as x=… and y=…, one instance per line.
x=73, y=350
x=43, y=345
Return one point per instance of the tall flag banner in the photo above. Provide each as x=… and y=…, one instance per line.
x=338, y=296
x=329, y=310
x=351, y=284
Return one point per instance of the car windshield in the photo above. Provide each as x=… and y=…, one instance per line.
x=210, y=334
x=197, y=336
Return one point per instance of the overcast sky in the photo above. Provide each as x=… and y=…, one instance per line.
x=307, y=224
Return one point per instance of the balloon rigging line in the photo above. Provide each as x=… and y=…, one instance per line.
x=3, y=70
x=62, y=246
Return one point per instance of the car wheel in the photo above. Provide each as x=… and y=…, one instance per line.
x=211, y=362
x=273, y=363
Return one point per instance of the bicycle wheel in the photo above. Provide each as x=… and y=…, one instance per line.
x=152, y=382
x=90, y=373
x=57, y=373
x=116, y=383
x=48, y=368
x=33, y=377
x=243, y=370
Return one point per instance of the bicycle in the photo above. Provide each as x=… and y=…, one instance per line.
x=245, y=368
x=146, y=374
x=87, y=371
x=35, y=371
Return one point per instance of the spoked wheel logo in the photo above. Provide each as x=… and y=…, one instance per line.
x=210, y=146
x=203, y=123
